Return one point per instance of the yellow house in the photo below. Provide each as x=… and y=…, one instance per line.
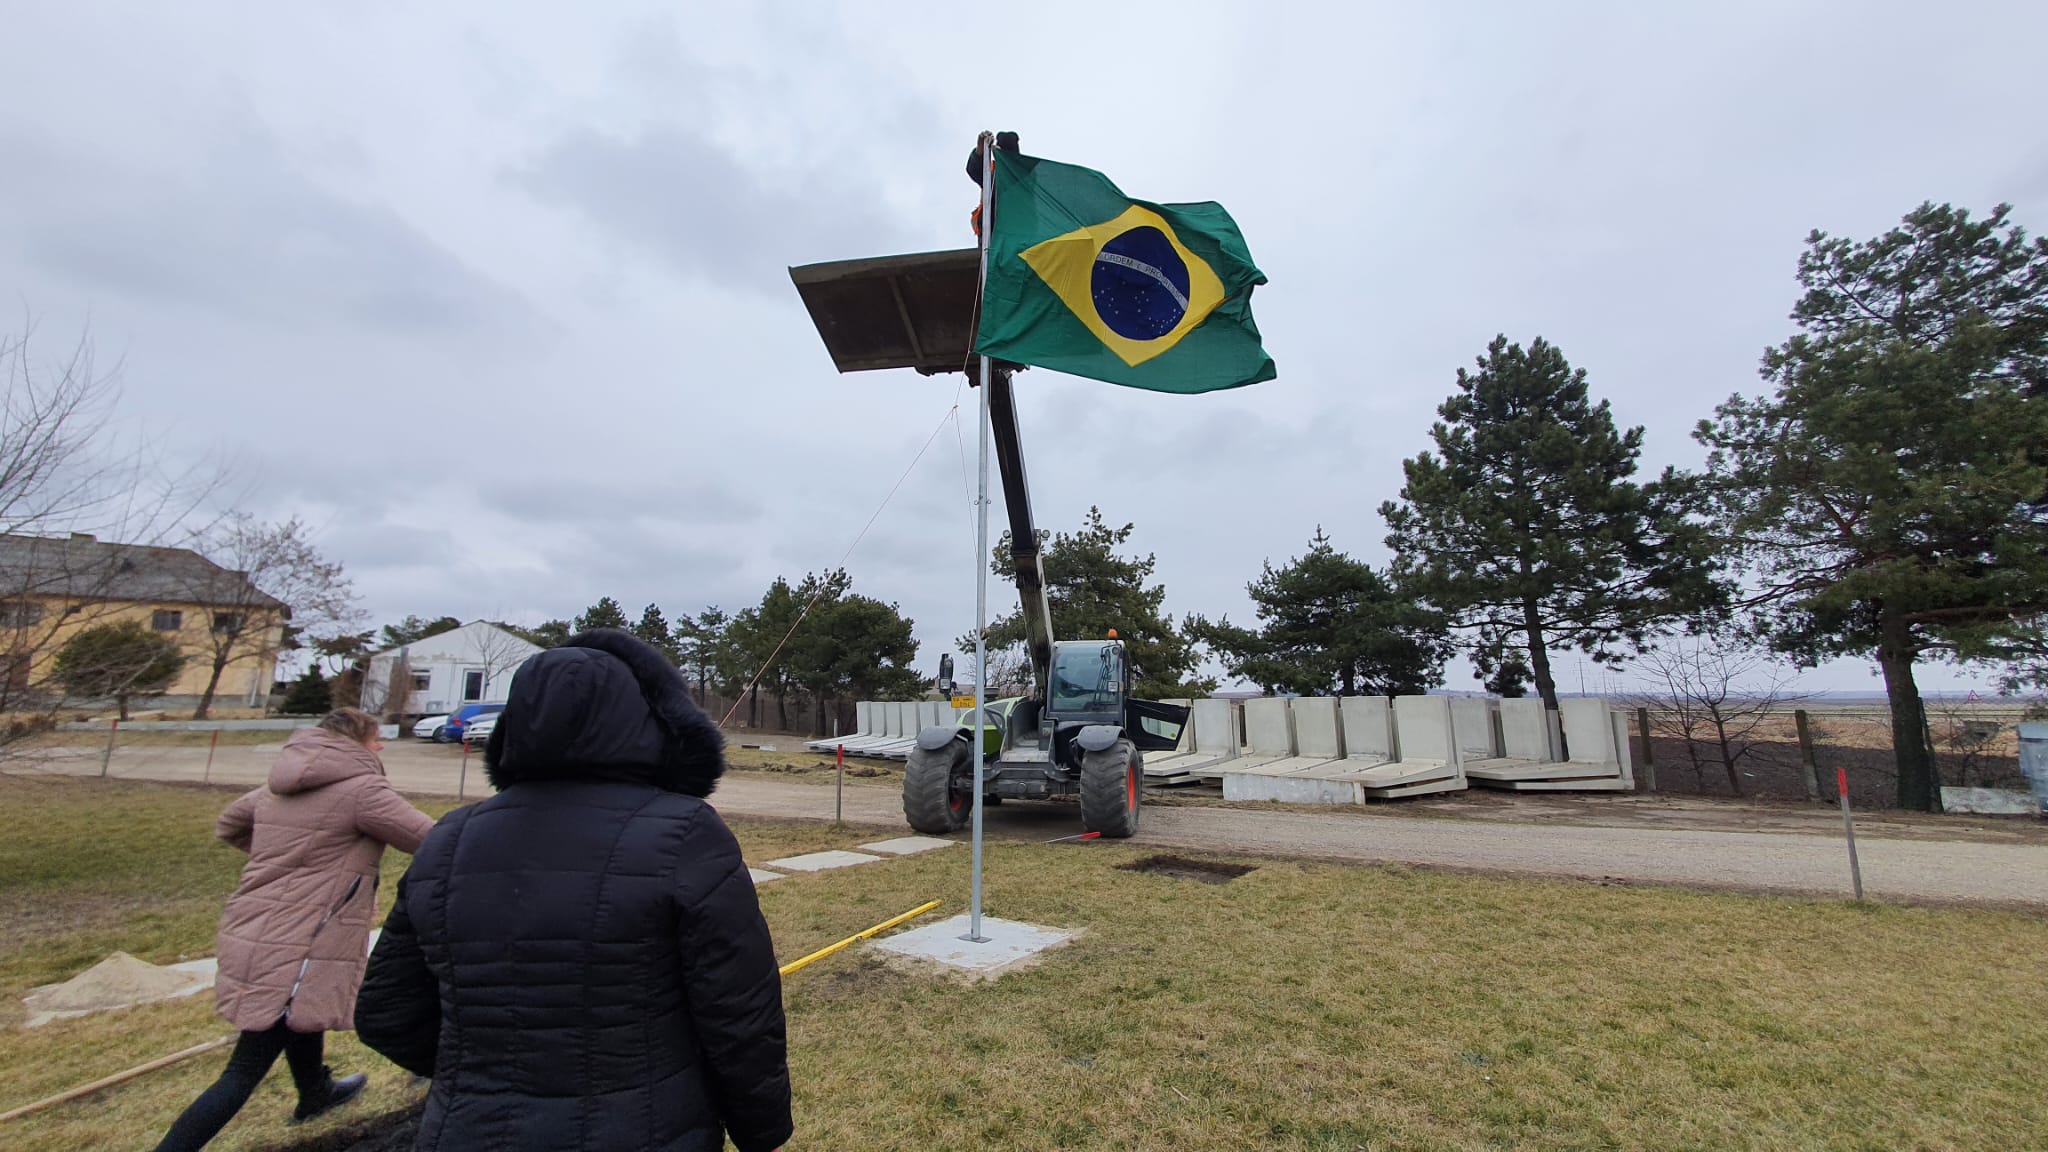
x=53, y=587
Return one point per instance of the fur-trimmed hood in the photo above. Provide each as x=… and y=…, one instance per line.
x=604, y=705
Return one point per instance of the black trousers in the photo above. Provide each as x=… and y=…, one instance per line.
x=254, y=1053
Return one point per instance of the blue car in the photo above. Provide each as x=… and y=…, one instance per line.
x=451, y=732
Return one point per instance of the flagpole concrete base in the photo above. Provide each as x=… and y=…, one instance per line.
x=1004, y=945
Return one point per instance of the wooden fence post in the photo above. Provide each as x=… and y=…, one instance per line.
x=1649, y=757
x=1807, y=768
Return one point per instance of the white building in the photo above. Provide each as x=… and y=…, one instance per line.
x=473, y=664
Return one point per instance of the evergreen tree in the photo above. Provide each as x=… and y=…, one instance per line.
x=118, y=662
x=850, y=646
x=754, y=641
x=1526, y=531
x=1330, y=625
x=1891, y=495
x=414, y=629
x=606, y=613
x=1092, y=589
x=310, y=695
x=653, y=628
x=700, y=645
x=548, y=634
x=345, y=650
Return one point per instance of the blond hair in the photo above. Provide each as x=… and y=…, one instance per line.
x=353, y=723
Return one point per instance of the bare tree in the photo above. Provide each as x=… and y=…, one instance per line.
x=393, y=696
x=500, y=651
x=268, y=586
x=70, y=475
x=1009, y=671
x=1714, y=699
x=1959, y=728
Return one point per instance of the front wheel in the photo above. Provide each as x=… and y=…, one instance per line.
x=1110, y=790
x=931, y=801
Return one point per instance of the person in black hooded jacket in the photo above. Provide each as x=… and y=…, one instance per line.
x=580, y=961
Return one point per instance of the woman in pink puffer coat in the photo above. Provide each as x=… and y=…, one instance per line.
x=294, y=939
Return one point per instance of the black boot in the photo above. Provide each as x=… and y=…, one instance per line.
x=339, y=1092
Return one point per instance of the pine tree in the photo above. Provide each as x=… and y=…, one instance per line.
x=1892, y=494
x=851, y=646
x=310, y=695
x=1330, y=625
x=755, y=639
x=547, y=634
x=700, y=643
x=653, y=628
x=1526, y=531
x=414, y=629
x=1092, y=589
x=606, y=613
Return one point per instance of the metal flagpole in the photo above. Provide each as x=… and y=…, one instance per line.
x=988, y=193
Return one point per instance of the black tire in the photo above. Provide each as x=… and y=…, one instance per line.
x=930, y=801
x=441, y=734
x=1112, y=787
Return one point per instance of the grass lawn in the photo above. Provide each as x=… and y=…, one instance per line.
x=1302, y=1006
x=795, y=763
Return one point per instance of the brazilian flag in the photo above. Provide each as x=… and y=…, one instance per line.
x=1083, y=279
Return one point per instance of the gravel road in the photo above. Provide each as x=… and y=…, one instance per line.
x=1921, y=868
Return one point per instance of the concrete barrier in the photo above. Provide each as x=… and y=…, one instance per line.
x=853, y=742
x=1268, y=733
x=1599, y=760
x=1429, y=748
x=1318, y=741
x=1525, y=738
x=1215, y=735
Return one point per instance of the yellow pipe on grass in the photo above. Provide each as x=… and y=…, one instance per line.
x=857, y=937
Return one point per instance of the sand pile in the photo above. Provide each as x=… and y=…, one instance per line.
x=119, y=981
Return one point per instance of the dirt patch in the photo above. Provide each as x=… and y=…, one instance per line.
x=119, y=981
x=1188, y=868
x=394, y=1131
x=868, y=976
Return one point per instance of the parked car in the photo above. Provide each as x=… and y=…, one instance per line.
x=464, y=716
x=479, y=730
x=430, y=728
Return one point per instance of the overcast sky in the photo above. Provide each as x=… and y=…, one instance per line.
x=494, y=294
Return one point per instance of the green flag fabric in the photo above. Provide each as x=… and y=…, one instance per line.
x=1085, y=280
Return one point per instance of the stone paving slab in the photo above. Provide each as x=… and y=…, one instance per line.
x=908, y=845
x=822, y=861
x=763, y=876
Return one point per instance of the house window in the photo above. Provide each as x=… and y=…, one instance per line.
x=422, y=681
x=472, y=684
x=167, y=620
x=227, y=623
x=20, y=614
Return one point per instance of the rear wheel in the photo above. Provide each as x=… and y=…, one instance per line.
x=930, y=801
x=1110, y=790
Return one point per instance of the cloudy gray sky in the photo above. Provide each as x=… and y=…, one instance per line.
x=494, y=294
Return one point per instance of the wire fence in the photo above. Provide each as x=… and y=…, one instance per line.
x=759, y=710
x=1975, y=746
